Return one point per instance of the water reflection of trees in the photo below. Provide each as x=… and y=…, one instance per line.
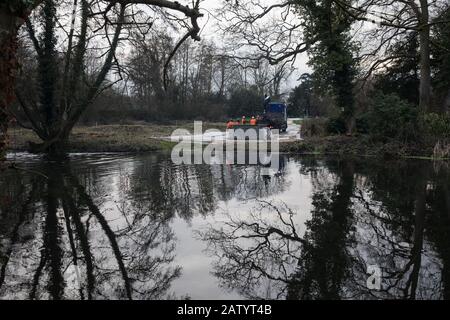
x=196, y=189
x=256, y=254
x=404, y=228
x=394, y=217
x=56, y=243
x=93, y=235
x=101, y=229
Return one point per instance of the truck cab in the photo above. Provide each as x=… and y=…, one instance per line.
x=275, y=114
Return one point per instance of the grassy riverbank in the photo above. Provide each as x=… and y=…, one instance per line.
x=358, y=146
x=112, y=138
x=147, y=138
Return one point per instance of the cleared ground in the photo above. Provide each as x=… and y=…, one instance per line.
x=130, y=138
x=112, y=138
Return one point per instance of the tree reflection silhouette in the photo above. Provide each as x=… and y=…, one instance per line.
x=360, y=217
x=396, y=233
x=324, y=262
x=255, y=253
x=186, y=190
x=104, y=231
x=74, y=252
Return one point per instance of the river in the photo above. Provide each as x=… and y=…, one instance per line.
x=115, y=226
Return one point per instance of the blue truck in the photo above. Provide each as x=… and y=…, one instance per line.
x=275, y=116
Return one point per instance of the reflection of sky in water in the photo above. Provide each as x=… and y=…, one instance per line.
x=190, y=250
x=157, y=218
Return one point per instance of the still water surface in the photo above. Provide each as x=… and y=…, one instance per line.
x=105, y=226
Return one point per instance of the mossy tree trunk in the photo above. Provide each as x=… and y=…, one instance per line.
x=12, y=15
x=7, y=70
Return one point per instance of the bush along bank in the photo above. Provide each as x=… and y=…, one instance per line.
x=390, y=128
x=360, y=145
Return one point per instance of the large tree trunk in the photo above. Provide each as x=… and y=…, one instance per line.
x=425, y=68
x=416, y=252
x=12, y=16
x=56, y=145
x=8, y=36
x=425, y=71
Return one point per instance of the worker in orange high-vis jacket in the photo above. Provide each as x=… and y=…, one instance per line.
x=253, y=121
x=243, y=120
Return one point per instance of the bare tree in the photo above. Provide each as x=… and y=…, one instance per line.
x=271, y=32
x=393, y=20
x=14, y=13
x=145, y=69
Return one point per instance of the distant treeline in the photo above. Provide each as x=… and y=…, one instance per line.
x=202, y=83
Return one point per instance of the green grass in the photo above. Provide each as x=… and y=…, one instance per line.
x=112, y=138
x=149, y=137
